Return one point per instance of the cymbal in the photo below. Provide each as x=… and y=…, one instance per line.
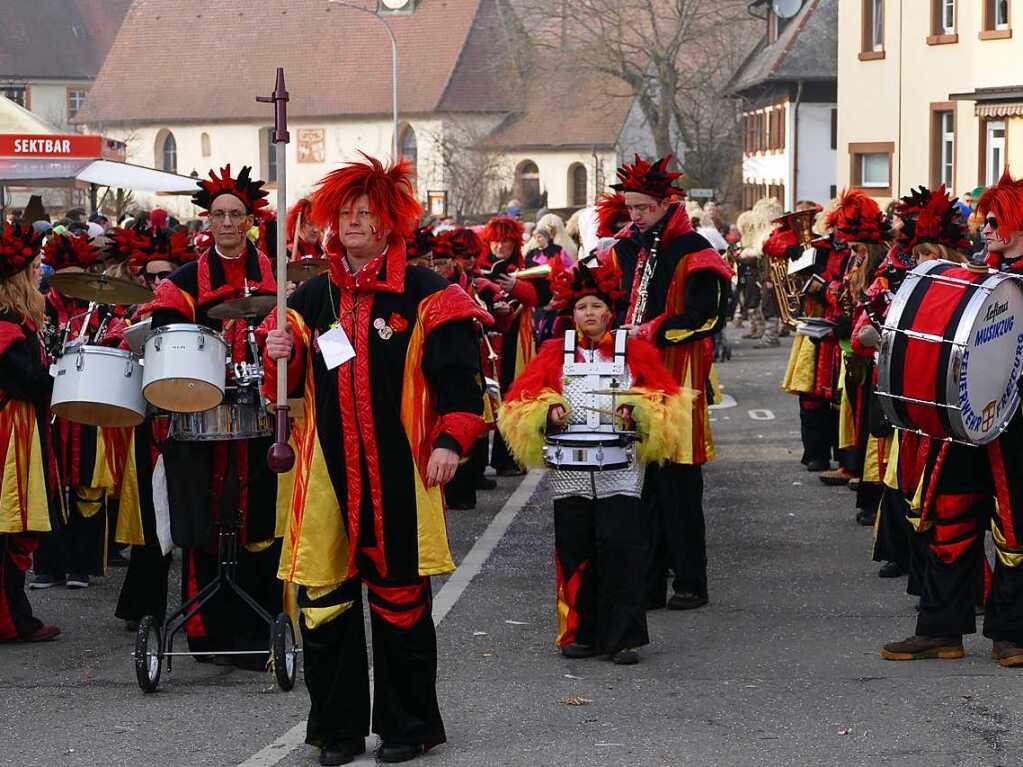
x=305, y=268
x=250, y=307
x=624, y=392
x=100, y=288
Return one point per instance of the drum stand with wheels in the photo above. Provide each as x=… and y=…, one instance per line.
x=154, y=643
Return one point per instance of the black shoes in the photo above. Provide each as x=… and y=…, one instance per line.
x=343, y=752
x=818, y=465
x=486, y=483
x=866, y=517
x=891, y=570
x=576, y=650
x=391, y=753
x=686, y=600
x=627, y=656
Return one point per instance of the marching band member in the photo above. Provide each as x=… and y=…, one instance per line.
x=419, y=246
x=310, y=236
x=387, y=359
x=962, y=487
x=502, y=239
x=678, y=288
x=30, y=493
x=202, y=474
x=601, y=531
x=91, y=457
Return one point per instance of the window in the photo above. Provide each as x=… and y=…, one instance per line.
x=996, y=20
x=270, y=152
x=577, y=185
x=871, y=167
x=207, y=149
x=75, y=101
x=943, y=145
x=166, y=151
x=994, y=151
x=872, y=45
x=944, y=18
x=527, y=184
x=948, y=16
x=19, y=94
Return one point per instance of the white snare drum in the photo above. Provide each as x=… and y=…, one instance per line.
x=240, y=416
x=185, y=368
x=951, y=353
x=98, y=386
x=588, y=451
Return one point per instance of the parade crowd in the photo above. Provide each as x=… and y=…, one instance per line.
x=417, y=353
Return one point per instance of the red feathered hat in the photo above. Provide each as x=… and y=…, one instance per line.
x=19, y=245
x=652, y=180
x=1004, y=201
x=461, y=245
x=858, y=218
x=250, y=192
x=931, y=216
x=143, y=244
x=501, y=228
x=611, y=214
x=421, y=243
x=776, y=246
x=391, y=195
x=64, y=250
x=595, y=278
x=301, y=208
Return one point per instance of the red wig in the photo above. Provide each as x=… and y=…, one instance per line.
x=1004, y=201
x=461, y=245
x=501, y=228
x=930, y=215
x=603, y=280
x=611, y=214
x=301, y=208
x=391, y=195
x=64, y=250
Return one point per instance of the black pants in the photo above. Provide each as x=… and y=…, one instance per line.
x=818, y=427
x=78, y=548
x=461, y=490
x=500, y=456
x=16, y=617
x=144, y=591
x=405, y=708
x=673, y=496
x=601, y=547
x=892, y=543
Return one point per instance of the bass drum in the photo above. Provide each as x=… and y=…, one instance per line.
x=185, y=368
x=98, y=386
x=951, y=353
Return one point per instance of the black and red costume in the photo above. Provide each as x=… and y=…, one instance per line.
x=361, y=512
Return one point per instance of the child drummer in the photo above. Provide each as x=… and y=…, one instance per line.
x=600, y=531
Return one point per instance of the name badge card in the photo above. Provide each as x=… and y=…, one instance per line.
x=335, y=347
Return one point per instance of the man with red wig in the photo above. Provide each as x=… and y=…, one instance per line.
x=678, y=288
x=387, y=359
x=513, y=302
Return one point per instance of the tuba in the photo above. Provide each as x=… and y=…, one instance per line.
x=790, y=284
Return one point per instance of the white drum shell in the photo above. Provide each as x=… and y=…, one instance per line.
x=587, y=451
x=98, y=386
x=185, y=368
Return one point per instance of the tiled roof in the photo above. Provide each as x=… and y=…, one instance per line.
x=57, y=39
x=170, y=62
x=807, y=49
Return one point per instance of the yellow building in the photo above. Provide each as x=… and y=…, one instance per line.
x=929, y=91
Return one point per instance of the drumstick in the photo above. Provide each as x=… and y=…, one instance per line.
x=298, y=231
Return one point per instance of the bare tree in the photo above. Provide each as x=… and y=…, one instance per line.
x=476, y=176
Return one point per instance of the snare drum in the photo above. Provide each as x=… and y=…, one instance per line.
x=185, y=368
x=951, y=353
x=98, y=386
x=588, y=451
x=240, y=416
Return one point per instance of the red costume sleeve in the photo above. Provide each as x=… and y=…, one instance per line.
x=524, y=292
x=296, y=363
x=647, y=368
x=542, y=372
x=10, y=333
x=171, y=298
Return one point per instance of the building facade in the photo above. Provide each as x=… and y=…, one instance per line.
x=788, y=86
x=929, y=92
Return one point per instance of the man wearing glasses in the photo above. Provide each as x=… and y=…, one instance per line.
x=680, y=305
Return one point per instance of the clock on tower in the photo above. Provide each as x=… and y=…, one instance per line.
x=396, y=6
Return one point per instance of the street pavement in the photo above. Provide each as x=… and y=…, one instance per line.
x=781, y=668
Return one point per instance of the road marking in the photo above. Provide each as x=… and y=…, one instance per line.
x=761, y=414
x=727, y=401
x=446, y=598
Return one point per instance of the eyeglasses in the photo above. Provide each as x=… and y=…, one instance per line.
x=153, y=276
x=644, y=207
x=991, y=221
x=232, y=215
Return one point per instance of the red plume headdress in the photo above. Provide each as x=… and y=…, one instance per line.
x=611, y=214
x=64, y=250
x=391, y=195
x=461, y=245
x=501, y=228
x=654, y=180
x=421, y=243
x=858, y=218
x=143, y=244
x=568, y=285
x=1004, y=201
x=249, y=191
x=931, y=216
x=19, y=245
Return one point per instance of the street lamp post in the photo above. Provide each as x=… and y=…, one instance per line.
x=394, y=70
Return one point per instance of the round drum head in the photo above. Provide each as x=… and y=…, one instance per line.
x=183, y=395
x=990, y=363
x=98, y=414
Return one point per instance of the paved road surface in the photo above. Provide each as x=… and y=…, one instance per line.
x=780, y=669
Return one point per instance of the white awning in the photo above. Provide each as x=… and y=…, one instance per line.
x=1005, y=109
x=120, y=175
